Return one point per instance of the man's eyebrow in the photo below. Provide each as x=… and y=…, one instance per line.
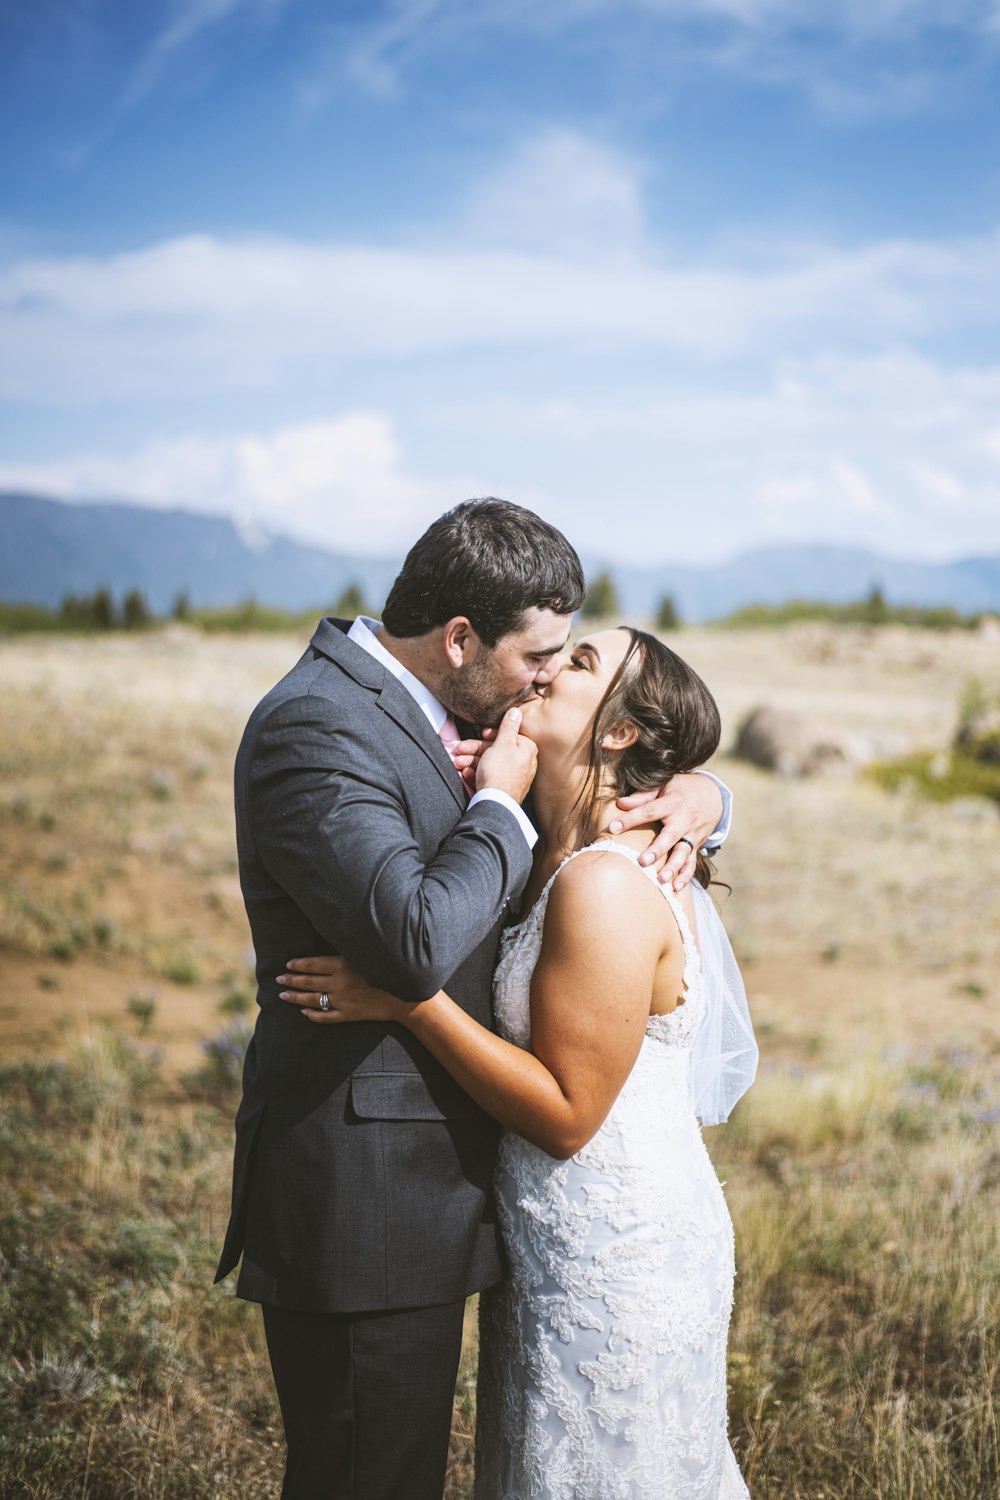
x=549, y=651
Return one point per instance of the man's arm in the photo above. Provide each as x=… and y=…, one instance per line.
x=337, y=840
x=590, y=994
x=720, y=832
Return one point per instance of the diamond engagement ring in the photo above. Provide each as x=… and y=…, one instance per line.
x=324, y=1002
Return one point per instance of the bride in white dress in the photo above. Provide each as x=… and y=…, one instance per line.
x=603, y=1355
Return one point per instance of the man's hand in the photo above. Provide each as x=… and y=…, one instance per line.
x=689, y=807
x=508, y=762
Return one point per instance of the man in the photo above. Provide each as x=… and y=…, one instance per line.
x=361, y=1196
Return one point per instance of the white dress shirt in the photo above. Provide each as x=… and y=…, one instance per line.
x=362, y=633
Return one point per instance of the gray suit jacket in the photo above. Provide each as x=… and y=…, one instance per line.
x=362, y=1171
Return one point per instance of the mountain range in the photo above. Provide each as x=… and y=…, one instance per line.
x=53, y=548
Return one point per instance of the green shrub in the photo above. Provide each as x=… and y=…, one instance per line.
x=181, y=968
x=142, y=1008
x=940, y=776
x=870, y=611
x=16, y=618
x=236, y=1002
x=220, y=1076
x=39, y=1303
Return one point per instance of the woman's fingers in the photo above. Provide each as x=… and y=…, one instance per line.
x=326, y=963
x=304, y=982
x=308, y=1003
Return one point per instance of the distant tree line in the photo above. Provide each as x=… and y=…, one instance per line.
x=100, y=612
x=872, y=610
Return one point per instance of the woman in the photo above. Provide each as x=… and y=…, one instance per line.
x=603, y=1356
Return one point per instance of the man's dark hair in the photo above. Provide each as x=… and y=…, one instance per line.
x=489, y=560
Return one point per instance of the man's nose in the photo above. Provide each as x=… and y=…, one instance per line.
x=549, y=670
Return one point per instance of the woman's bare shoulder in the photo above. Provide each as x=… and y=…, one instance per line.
x=602, y=892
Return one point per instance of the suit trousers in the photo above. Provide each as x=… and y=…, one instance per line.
x=366, y=1399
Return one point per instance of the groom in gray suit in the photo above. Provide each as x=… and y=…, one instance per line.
x=361, y=1188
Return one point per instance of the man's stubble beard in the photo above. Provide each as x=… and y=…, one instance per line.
x=473, y=694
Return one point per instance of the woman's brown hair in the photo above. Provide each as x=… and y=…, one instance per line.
x=677, y=727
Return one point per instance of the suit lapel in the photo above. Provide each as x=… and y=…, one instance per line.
x=330, y=639
x=396, y=702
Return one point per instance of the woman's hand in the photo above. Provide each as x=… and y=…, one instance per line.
x=308, y=980
x=467, y=755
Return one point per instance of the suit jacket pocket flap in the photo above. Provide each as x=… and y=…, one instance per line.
x=408, y=1096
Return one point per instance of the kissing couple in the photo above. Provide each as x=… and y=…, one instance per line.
x=485, y=1041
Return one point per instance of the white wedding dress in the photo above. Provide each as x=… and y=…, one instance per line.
x=603, y=1354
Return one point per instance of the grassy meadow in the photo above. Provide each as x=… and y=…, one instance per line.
x=863, y=1171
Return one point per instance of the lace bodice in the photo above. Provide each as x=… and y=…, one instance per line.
x=603, y=1357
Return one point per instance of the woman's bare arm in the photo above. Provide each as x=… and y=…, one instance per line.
x=590, y=995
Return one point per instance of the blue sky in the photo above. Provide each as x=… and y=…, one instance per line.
x=687, y=276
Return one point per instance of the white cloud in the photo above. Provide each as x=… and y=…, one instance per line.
x=875, y=439
x=204, y=315
x=560, y=194
x=293, y=480
x=189, y=20
x=189, y=32
x=849, y=56
x=894, y=452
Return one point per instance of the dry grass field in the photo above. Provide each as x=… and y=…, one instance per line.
x=863, y=1171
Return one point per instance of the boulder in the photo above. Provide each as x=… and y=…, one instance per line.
x=784, y=742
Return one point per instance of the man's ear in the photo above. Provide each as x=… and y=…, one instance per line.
x=620, y=737
x=459, y=641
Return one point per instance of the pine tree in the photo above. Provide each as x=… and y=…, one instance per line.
x=667, y=617
x=602, y=598
x=876, y=609
x=350, y=603
x=135, y=610
x=102, y=609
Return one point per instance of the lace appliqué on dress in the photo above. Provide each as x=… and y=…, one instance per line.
x=603, y=1356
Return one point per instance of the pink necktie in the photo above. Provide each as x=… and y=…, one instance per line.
x=451, y=739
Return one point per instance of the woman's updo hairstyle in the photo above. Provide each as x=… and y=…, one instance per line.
x=677, y=724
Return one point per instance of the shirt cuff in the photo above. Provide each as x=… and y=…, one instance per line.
x=725, y=822
x=494, y=794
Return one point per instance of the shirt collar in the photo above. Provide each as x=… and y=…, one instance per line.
x=362, y=633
